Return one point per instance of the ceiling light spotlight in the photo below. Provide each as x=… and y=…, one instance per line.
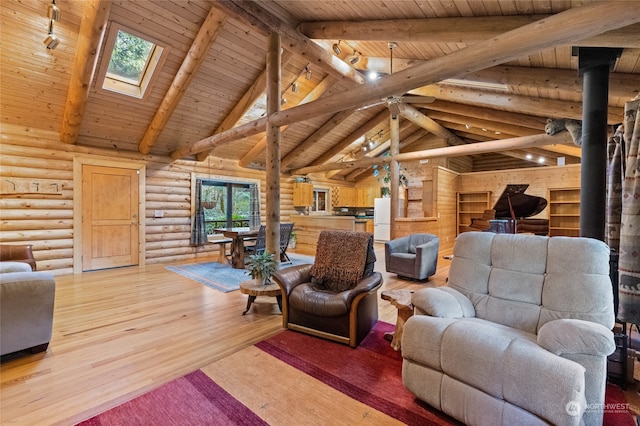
x=51, y=41
x=283, y=101
x=294, y=88
x=336, y=48
x=468, y=126
x=372, y=75
x=529, y=156
x=541, y=160
x=355, y=58
x=308, y=74
x=54, y=12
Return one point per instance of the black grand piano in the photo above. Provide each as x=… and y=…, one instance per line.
x=512, y=213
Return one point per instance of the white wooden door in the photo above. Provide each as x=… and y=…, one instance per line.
x=110, y=221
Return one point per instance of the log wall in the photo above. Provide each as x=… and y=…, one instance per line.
x=47, y=220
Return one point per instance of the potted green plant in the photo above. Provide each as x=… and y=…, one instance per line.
x=261, y=266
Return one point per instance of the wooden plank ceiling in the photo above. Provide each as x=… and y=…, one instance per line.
x=210, y=90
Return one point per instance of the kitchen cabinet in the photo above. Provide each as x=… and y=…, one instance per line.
x=302, y=194
x=365, y=197
x=343, y=197
x=368, y=226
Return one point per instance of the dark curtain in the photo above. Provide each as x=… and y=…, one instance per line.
x=199, y=231
x=629, y=252
x=254, y=212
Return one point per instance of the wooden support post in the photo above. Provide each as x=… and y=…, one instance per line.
x=394, y=168
x=274, y=77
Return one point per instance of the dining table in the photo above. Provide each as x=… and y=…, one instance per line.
x=237, y=235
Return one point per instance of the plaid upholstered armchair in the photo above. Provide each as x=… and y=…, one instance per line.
x=336, y=297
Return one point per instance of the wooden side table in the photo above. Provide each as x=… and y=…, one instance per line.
x=401, y=299
x=255, y=289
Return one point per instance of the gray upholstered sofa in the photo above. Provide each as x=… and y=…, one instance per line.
x=26, y=308
x=519, y=335
x=412, y=256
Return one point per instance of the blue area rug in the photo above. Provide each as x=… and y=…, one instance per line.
x=223, y=277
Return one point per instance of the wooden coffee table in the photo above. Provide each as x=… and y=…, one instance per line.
x=401, y=299
x=255, y=289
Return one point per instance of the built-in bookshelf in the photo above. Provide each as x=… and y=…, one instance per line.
x=564, y=212
x=471, y=205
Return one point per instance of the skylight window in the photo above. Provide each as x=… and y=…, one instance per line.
x=129, y=58
x=130, y=61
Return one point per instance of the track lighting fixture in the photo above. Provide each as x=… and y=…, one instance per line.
x=283, y=101
x=336, y=48
x=294, y=83
x=355, y=58
x=54, y=12
x=51, y=41
x=308, y=74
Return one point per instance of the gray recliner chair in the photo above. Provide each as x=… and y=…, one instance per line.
x=412, y=256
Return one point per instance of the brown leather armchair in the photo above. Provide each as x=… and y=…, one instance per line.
x=336, y=297
x=17, y=253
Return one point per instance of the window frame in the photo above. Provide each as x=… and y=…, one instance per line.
x=114, y=86
x=223, y=181
x=313, y=210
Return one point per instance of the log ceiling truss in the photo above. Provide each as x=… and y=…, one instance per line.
x=514, y=69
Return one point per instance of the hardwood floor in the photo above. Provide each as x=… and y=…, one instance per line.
x=121, y=332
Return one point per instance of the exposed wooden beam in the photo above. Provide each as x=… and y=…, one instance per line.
x=452, y=30
x=550, y=108
x=266, y=22
x=93, y=24
x=622, y=85
x=322, y=131
x=259, y=147
x=199, y=48
x=509, y=118
x=562, y=28
x=352, y=137
x=488, y=128
x=448, y=151
x=489, y=125
x=571, y=150
x=245, y=103
x=384, y=147
x=249, y=129
x=415, y=116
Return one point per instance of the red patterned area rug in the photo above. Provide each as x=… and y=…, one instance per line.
x=293, y=378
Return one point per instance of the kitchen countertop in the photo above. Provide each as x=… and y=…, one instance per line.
x=416, y=219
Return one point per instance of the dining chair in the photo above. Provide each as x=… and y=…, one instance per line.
x=285, y=235
x=260, y=242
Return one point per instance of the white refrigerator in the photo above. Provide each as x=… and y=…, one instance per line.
x=382, y=218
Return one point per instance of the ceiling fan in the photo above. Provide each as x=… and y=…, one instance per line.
x=393, y=101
